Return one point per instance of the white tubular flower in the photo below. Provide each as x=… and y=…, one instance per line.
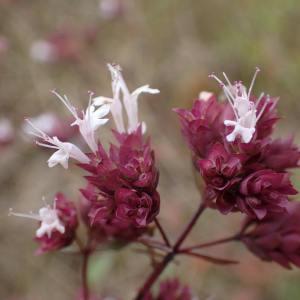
x=131, y=106
x=245, y=126
x=65, y=150
x=244, y=109
x=129, y=100
x=115, y=102
x=91, y=120
x=48, y=217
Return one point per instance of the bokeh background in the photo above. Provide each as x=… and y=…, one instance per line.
x=172, y=45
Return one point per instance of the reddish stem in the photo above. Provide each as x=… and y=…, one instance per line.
x=162, y=232
x=161, y=266
x=222, y=241
x=189, y=226
x=86, y=255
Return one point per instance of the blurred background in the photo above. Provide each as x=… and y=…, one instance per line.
x=172, y=45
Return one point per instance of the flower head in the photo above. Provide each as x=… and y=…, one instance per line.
x=238, y=183
x=127, y=181
x=276, y=237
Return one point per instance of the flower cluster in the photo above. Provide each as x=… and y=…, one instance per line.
x=121, y=198
x=126, y=180
x=276, y=237
x=242, y=169
x=106, y=231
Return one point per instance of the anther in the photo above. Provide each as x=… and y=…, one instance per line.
x=53, y=91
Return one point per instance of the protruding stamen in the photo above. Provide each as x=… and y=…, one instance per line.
x=257, y=70
x=30, y=216
x=228, y=98
x=227, y=80
x=263, y=108
x=66, y=103
x=43, y=135
x=258, y=100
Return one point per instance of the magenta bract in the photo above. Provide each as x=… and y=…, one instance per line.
x=282, y=155
x=171, y=289
x=202, y=126
x=276, y=237
x=127, y=181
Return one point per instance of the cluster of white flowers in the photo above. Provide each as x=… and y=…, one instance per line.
x=90, y=122
x=92, y=119
x=244, y=109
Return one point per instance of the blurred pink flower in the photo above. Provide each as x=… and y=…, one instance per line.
x=6, y=132
x=110, y=9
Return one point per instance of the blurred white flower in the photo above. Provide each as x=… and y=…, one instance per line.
x=43, y=51
x=46, y=122
x=6, y=131
x=110, y=9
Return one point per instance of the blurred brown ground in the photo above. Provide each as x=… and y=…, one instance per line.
x=173, y=46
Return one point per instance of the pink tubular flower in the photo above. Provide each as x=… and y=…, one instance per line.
x=276, y=237
x=171, y=289
x=57, y=224
x=252, y=116
x=67, y=214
